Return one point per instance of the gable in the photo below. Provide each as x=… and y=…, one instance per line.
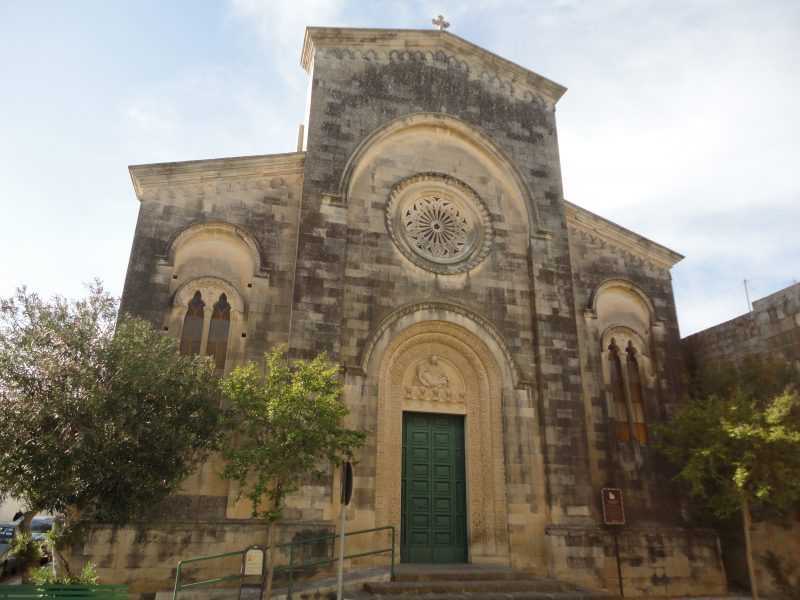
x=581, y=219
x=385, y=45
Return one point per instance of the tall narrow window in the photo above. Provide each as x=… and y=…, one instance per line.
x=637, y=402
x=621, y=428
x=192, y=333
x=218, y=332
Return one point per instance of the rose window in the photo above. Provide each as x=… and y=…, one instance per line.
x=436, y=228
x=439, y=223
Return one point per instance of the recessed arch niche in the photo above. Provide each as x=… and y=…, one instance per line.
x=424, y=143
x=438, y=366
x=215, y=249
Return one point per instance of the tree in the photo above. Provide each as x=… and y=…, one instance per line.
x=27, y=552
x=736, y=443
x=289, y=422
x=100, y=419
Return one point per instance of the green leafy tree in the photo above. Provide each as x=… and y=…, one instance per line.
x=27, y=552
x=289, y=420
x=100, y=419
x=736, y=443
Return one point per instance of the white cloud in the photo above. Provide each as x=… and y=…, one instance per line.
x=680, y=123
x=280, y=25
x=210, y=112
x=281, y=22
x=680, y=120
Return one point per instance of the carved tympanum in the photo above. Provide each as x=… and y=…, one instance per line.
x=431, y=383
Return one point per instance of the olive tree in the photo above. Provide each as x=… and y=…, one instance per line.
x=100, y=418
x=288, y=418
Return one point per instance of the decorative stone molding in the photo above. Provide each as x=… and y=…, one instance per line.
x=211, y=286
x=622, y=283
x=445, y=357
x=236, y=232
x=473, y=136
x=207, y=175
x=590, y=311
x=636, y=248
x=385, y=45
x=439, y=223
x=443, y=308
x=433, y=380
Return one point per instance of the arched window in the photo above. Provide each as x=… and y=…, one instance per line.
x=192, y=332
x=621, y=428
x=217, y=345
x=637, y=403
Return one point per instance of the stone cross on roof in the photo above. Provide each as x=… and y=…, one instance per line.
x=440, y=23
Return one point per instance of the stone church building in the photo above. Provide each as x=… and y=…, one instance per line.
x=507, y=351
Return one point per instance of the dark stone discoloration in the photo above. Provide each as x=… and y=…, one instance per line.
x=330, y=277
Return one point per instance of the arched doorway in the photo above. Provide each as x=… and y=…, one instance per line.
x=439, y=410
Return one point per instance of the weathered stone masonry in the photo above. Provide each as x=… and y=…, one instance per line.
x=516, y=309
x=771, y=329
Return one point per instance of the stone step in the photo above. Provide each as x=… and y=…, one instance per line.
x=462, y=575
x=528, y=595
x=482, y=586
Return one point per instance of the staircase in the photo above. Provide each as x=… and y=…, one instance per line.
x=466, y=582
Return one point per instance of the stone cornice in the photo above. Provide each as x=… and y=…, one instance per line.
x=145, y=177
x=425, y=40
x=585, y=220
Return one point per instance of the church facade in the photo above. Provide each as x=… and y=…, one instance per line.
x=508, y=352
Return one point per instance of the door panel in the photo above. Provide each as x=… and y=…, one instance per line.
x=434, y=522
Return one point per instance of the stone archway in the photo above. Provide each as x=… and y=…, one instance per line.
x=439, y=367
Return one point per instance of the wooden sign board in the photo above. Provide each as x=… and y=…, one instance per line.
x=613, y=507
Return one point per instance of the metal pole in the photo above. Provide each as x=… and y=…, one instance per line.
x=391, y=571
x=747, y=295
x=340, y=582
x=291, y=578
x=242, y=571
x=177, y=582
x=619, y=565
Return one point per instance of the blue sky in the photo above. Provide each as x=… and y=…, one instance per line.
x=681, y=120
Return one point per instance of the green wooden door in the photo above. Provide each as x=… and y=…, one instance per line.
x=434, y=506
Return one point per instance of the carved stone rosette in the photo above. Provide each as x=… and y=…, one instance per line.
x=439, y=223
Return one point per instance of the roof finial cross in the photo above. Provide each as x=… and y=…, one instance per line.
x=440, y=23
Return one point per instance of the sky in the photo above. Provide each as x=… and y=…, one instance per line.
x=681, y=120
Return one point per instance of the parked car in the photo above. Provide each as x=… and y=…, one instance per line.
x=39, y=528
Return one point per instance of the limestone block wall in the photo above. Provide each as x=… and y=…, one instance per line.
x=600, y=257
x=623, y=290
x=226, y=224
x=783, y=539
x=221, y=225
x=654, y=561
x=459, y=111
x=773, y=327
x=304, y=246
x=145, y=556
x=258, y=197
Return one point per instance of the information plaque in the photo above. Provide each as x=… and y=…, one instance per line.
x=254, y=561
x=613, y=508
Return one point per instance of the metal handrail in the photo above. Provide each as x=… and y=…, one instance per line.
x=290, y=568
